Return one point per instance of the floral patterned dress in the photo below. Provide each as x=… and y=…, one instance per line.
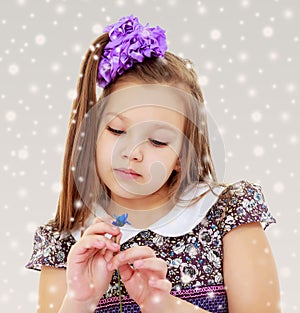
x=189, y=240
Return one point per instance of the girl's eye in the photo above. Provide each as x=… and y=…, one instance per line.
x=157, y=143
x=154, y=142
x=115, y=131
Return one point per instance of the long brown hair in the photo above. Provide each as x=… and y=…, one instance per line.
x=170, y=70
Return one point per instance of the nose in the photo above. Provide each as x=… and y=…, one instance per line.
x=133, y=153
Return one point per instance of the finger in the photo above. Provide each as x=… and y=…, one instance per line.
x=156, y=265
x=118, y=238
x=96, y=241
x=108, y=254
x=161, y=284
x=102, y=227
x=126, y=272
x=130, y=255
x=77, y=255
x=93, y=242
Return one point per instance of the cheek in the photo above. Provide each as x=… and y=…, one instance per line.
x=103, y=152
x=165, y=158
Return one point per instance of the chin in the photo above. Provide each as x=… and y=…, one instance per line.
x=133, y=193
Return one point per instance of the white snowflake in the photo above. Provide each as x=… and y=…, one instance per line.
x=56, y=187
x=14, y=69
x=23, y=154
x=258, y=151
x=40, y=39
x=285, y=272
x=288, y=14
x=256, y=116
x=215, y=34
x=10, y=116
x=203, y=80
x=293, y=139
x=278, y=187
x=72, y=94
x=60, y=9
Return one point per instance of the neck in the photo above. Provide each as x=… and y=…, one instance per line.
x=141, y=213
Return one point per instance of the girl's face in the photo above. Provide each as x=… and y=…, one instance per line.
x=138, y=145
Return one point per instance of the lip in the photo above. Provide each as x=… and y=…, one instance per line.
x=127, y=173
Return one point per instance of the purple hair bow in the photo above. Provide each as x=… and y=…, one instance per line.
x=130, y=42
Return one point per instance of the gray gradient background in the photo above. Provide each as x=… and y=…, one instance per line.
x=246, y=53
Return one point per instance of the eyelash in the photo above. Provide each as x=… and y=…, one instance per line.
x=154, y=142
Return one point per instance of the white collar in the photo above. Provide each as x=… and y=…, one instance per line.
x=179, y=221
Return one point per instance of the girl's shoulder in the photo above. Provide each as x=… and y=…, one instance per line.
x=50, y=247
x=242, y=190
x=240, y=203
x=240, y=187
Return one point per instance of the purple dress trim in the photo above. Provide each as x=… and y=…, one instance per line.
x=211, y=298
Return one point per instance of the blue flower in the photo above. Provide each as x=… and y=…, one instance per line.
x=121, y=220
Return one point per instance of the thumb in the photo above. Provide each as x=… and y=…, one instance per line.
x=118, y=238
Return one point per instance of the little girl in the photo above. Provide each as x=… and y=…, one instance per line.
x=181, y=241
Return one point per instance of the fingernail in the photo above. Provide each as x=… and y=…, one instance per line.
x=115, y=245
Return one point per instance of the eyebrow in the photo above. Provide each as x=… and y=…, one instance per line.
x=118, y=115
x=157, y=125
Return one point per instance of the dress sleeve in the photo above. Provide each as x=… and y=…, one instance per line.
x=241, y=203
x=50, y=248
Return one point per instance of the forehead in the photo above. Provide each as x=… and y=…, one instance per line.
x=148, y=115
x=153, y=100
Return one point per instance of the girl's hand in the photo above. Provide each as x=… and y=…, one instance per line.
x=146, y=283
x=87, y=274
